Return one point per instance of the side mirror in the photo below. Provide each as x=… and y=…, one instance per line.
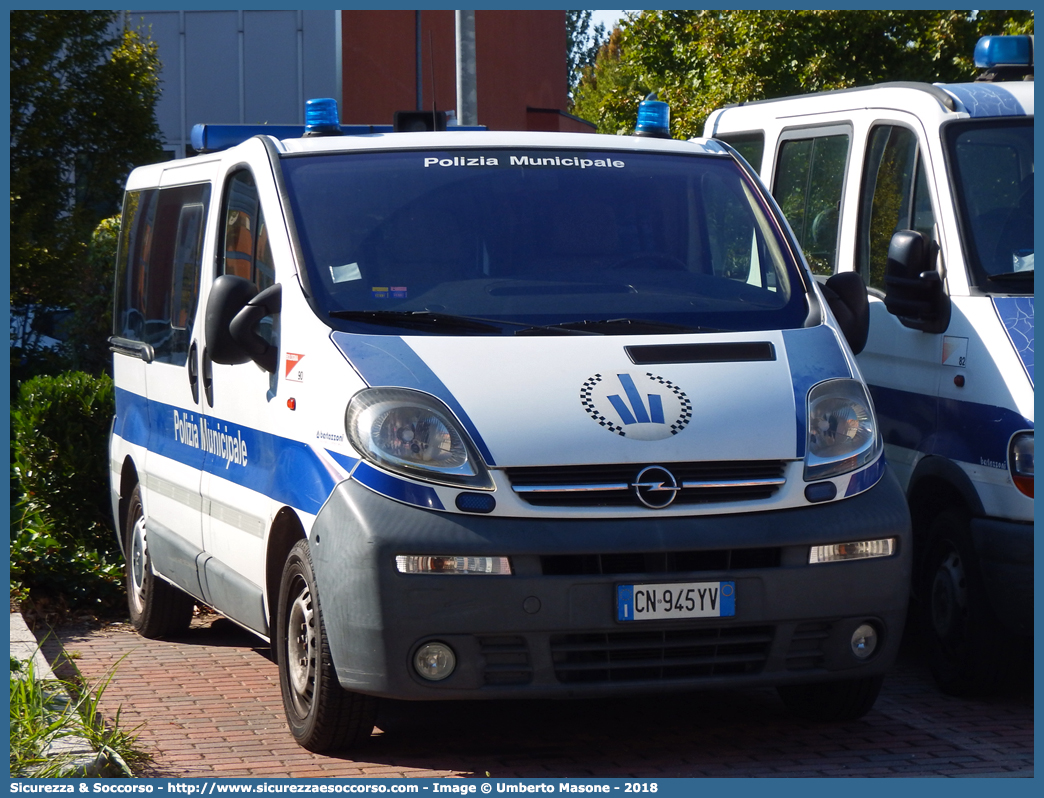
x=233, y=312
x=845, y=292
x=243, y=327
x=914, y=290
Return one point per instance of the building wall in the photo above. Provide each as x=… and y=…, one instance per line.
x=520, y=65
x=239, y=66
x=261, y=66
x=379, y=63
x=521, y=59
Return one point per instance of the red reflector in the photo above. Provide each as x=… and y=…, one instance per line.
x=291, y=403
x=1024, y=484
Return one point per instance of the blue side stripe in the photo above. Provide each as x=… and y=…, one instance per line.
x=866, y=479
x=395, y=488
x=288, y=471
x=388, y=361
x=965, y=431
x=814, y=355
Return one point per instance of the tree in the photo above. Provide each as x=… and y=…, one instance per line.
x=701, y=60
x=582, y=44
x=83, y=96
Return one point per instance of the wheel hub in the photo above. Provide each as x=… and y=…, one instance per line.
x=949, y=595
x=301, y=650
x=138, y=563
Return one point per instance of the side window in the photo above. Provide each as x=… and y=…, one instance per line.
x=158, y=277
x=894, y=197
x=750, y=145
x=810, y=178
x=246, y=252
x=139, y=211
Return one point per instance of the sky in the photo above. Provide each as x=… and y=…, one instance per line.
x=608, y=18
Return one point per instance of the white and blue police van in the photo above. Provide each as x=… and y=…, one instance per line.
x=484, y=415
x=926, y=191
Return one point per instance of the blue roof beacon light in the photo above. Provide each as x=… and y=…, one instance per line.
x=1005, y=57
x=654, y=119
x=321, y=117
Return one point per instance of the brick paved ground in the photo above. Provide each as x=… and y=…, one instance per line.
x=210, y=706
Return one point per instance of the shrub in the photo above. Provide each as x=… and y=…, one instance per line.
x=61, y=537
x=61, y=431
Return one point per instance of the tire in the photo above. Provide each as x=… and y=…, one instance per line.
x=157, y=608
x=321, y=714
x=831, y=701
x=965, y=644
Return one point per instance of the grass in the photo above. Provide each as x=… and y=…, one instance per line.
x=44, y=711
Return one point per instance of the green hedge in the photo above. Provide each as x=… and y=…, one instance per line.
x=62, y=539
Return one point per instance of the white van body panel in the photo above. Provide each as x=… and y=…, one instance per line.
x=668, y=454
x=953, y=401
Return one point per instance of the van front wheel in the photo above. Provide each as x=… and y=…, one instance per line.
x=967, y=648
x=322, y=715
x=157, y=608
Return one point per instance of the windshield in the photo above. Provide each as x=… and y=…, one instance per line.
x=992, y=165
x=539, y=242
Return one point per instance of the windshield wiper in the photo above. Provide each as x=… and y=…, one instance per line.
x=1010, y=277
x=420, y=320
x=616, y=327
x=450, y=322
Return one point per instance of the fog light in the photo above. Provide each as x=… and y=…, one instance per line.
x=864, y=641
x=856, y=550
x=434, y=661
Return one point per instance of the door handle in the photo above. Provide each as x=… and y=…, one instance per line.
x=208, y=377
x=193, y=372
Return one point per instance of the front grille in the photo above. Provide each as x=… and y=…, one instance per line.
x=505, y=660
x=660, y=655
x=806, y=646
x=611, y=485
x=661, y=562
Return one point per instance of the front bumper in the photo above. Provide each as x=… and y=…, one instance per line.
x=550, y=628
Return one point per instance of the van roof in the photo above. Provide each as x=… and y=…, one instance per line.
x=971, y=99
x=497, y=139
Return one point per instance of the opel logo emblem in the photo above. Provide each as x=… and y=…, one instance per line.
x=655, y=487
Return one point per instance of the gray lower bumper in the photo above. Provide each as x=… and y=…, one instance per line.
x=533, y=634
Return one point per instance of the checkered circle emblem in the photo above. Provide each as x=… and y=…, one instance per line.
x=642, y=407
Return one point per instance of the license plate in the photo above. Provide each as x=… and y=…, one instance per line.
x=654, y=602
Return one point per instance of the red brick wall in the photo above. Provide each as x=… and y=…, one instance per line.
x=521, y=63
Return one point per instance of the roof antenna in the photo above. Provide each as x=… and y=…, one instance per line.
x=431, y=60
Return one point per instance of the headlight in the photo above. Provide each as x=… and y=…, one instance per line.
x=842, y=433
x=1020, y=462
x=413, y=434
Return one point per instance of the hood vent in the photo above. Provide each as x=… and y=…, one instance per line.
x=729, y=352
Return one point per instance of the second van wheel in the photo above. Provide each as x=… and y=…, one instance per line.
x=966, y=645
x=157, y=608
x=832, y=701
x=321, y=714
